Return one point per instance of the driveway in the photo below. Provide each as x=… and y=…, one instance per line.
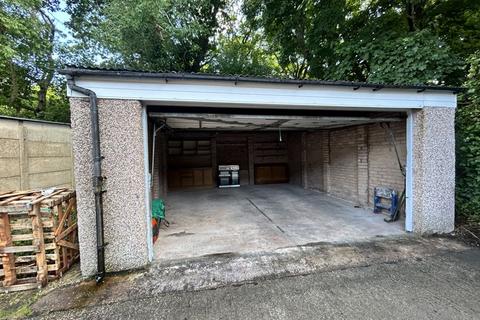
x=404, y=278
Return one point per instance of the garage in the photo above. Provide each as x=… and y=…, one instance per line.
x=248, y=164
x=253, y=180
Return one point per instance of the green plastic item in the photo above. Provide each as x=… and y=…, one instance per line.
x=158, y=209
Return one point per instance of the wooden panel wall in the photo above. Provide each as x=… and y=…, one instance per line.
x=34, y=155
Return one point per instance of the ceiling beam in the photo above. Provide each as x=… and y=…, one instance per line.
x=222, y=117
x=275, y=125
x=245, y=124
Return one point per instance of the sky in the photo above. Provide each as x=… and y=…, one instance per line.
x=60, y=18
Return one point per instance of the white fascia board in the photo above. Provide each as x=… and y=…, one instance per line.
x=227, y=93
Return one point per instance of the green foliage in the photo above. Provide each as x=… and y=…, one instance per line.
x=27, y=64
x=155, y=35
x=303, y=33
x=242, y=51
x=57, y=108
x=468, y=146
x=416, y=58
x=242, y=55
x=458, y=22
x=378, y=41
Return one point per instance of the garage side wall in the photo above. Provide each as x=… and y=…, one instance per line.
x=123, y=166
x=434, y=170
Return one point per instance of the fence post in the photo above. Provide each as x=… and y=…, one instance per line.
x=23, y=157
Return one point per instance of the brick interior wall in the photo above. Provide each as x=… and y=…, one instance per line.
x=343, y=164
x=315, y=160
x=348, y=163
x=382, y=163
x=294, y=158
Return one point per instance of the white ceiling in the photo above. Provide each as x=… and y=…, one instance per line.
x=259, y=122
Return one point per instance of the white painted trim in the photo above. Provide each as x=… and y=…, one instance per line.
x=409, y=174
x=147, y=184
x=261, y=95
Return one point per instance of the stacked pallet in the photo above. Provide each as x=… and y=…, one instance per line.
x=38, y=237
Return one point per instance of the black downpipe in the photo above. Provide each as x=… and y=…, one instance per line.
x=97, y=176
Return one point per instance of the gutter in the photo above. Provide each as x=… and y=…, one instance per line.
x=97, y=176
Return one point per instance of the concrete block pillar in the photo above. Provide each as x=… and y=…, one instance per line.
x=159, y=178
x=304, y=161
x=433, y=174
x=251, y=160
x=326, y=160
x=157, y=167
x=124, y=202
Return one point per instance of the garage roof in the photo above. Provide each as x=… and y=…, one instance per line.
x=126, y=73
x=211, y=90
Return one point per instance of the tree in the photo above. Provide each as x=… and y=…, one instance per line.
x=379, y=40
x=27, y=63
x=415, y=58
x=241, y=50
x=302, y=33
x=149, y=34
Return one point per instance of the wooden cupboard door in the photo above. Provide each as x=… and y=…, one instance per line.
x=273, y=173
x=187, y=178
x=208, y=177
x=279, y=173
x=198, y=177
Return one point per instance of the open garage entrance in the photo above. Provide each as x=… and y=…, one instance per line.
x=255, y=180
x=299, y=145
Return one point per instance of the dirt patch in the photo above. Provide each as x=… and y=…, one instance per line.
x=468, y=233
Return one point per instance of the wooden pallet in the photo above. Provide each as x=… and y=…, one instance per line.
x=38, y=237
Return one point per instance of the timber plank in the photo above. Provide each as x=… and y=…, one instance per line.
x=65, y=215
x=29, y=236
x=18, y=249
x=67, y=244
x=40, y=255
x=66, y=232
x=8, y=260
x=47, y=196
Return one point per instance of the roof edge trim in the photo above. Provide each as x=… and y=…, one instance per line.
x=214, y=77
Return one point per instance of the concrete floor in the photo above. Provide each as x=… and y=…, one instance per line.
x=260, y=219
